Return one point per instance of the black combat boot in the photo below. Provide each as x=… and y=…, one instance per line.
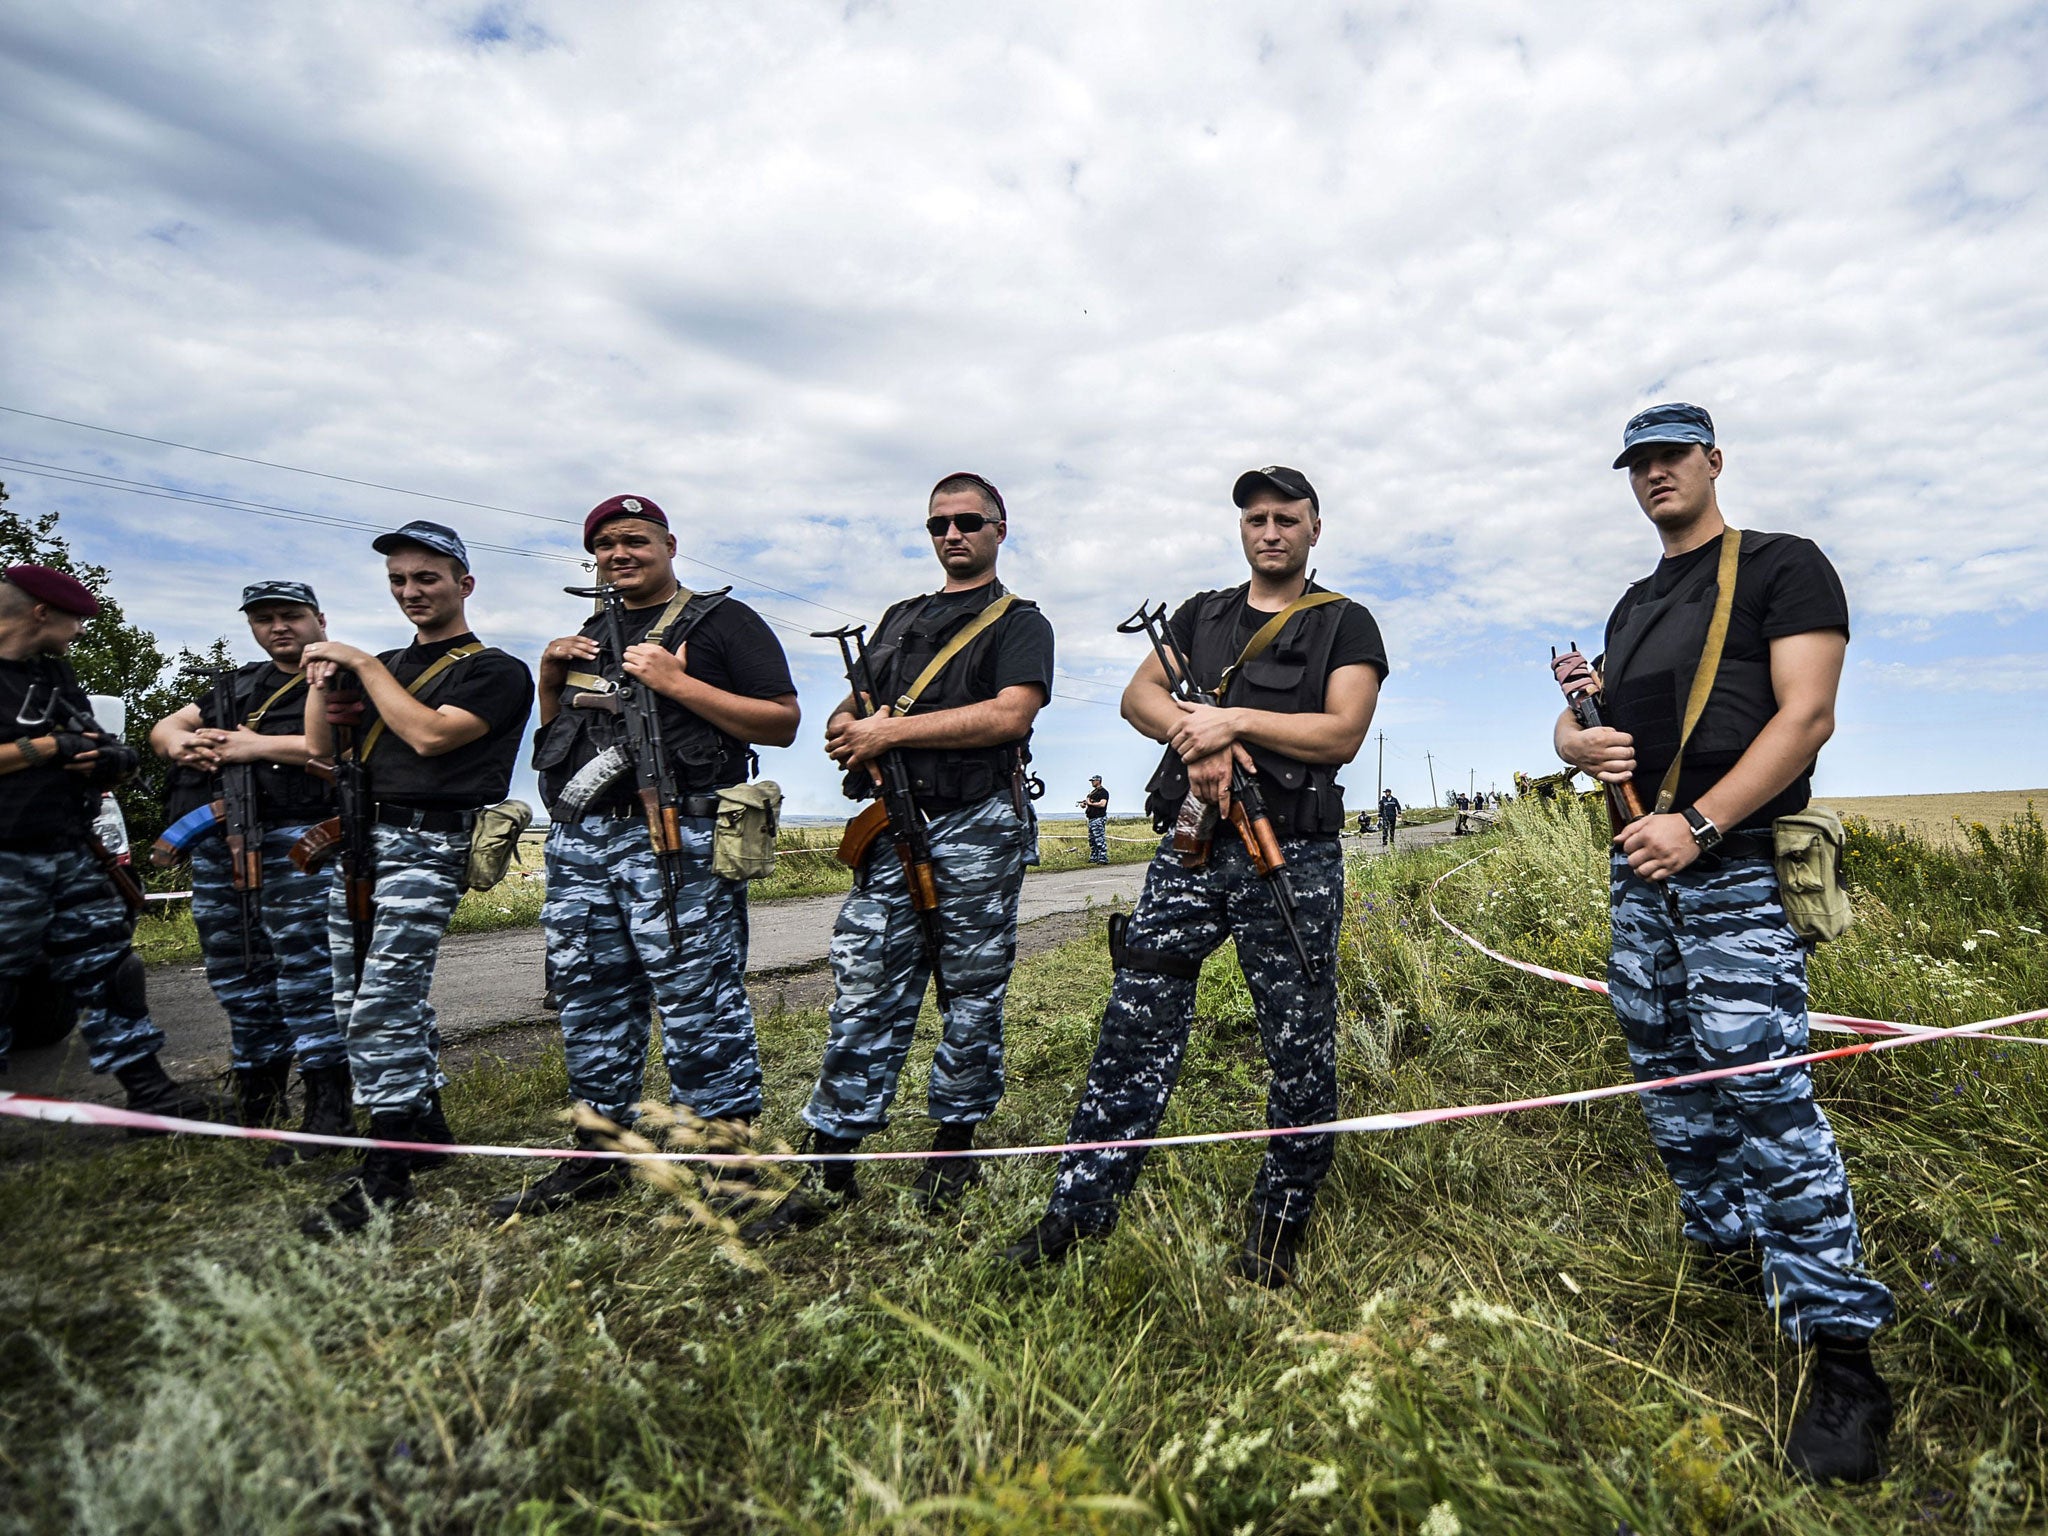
x=1843, y=1425
x=260, y=1092
x=943, y=1180
x=151, y=1092
x=826, y=1188
x=330, y=1111
x=731, y=1189
x=385, y=1183
x=1047, y=1243
x=1269, y=1247
x=574, y=1179
x=432, y=1126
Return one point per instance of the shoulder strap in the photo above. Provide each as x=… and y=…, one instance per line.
x=676, y=607
x=418, y=689
x=953, y=647
x=255, y=718
x=1269, y=631
x=1710, y=662
x=672, y=611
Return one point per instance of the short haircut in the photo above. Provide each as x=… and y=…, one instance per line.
x=953, y=483
x=15, y=602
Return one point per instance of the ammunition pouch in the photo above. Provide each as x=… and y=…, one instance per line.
x=493, y=838
x=743, y=830
x=1125, y=957
x=1807, y=848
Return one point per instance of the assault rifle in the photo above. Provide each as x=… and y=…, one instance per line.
x=236, y=808
x=351, y=831
x=117, y=764
x=632, y=704
x=895, y=810
x=1581, y=687
x=1194, y=827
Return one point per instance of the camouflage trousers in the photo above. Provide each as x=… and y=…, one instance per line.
x=879, y=971
x=1098, y=840
x=1182, y=916
x=1707, y=973
x=57, y=904
x=611, y=960
x=283, y=1003
x=394, y=1044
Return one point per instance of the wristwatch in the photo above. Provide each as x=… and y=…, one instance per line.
x=1704, y=832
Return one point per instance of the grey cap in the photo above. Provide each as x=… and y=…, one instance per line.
x=1662, y=425
x=438, y=537
x=278, y=592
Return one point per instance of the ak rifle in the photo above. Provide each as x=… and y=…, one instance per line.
x=895, y=810
x=1581, y=687
x=1248, y=814
x=235, y=808
x=351, y=831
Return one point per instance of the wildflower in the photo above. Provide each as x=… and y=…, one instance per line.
x=1359, y=1401
x=1442, y=1521
x=1321, y=1482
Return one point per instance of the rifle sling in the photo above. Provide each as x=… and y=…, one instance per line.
x=968, y=634
x=590, y=682
x=1269, y=631
x=1710, y=662
x=296, y=680
x=418, y=689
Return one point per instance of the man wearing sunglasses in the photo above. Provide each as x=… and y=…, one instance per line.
x=964, y=741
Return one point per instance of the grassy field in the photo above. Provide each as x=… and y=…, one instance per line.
x=1494, y=1330
x=1941, y=818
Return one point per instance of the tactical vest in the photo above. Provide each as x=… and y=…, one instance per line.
x=943, y=779
x=44, y=805
x=696, y=747
x=1648, y=669
x=1288, y=678
x=286, y=795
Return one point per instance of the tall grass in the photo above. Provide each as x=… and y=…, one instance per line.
x=1495, y=1327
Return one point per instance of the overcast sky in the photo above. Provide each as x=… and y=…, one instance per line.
x=779, y=265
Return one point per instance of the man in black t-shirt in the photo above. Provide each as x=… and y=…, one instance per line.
x=1706, y=972
x=721, y=685
x=58, y=902
x=1295, y=702
x=1095, y=807
x=438, y=728
x=280, y=1002
x=963, y=740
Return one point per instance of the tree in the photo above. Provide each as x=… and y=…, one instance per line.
x=116, y=657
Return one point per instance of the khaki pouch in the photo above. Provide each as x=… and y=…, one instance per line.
x=492, y=841
x=1808, y=853
x=743, y=830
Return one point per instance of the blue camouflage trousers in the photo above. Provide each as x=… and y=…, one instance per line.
x=1182, y=916
x=394, y=1044
x=611, y=960
x=1098, y=840
x=57, y=903
x=1707, y=973
x=283, y=1004
x=879, y=972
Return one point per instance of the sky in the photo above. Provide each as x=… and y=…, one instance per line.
x=779, y=265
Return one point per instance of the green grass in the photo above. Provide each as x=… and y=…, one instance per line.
x=1494, y=1329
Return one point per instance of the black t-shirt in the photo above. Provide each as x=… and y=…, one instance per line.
x=1097, y=804
x=43, y=805
x=492, y=685
x=1786, y=587
x=1358, y=639
x=1017, y=651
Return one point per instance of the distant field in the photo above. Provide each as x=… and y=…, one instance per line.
x=1935, y=816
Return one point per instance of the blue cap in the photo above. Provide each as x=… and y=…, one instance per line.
x=278, y=592
x=1673, y=423
x=438, y=537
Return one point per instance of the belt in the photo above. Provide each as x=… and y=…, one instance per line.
x=686, y=806
x=409, y=819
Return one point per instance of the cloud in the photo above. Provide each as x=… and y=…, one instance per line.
x=2025, y=672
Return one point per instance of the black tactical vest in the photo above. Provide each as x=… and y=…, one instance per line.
x=696, y=747
x=42, y=806
x=949, y=778
x=1648, y=670
x=286, y=795
x=1288, y=678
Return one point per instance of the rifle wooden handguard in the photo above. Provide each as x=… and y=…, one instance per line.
x=860, y=834
x=1260, y=841
x=314, y=849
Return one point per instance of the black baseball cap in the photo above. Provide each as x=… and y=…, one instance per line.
x=1290, y=483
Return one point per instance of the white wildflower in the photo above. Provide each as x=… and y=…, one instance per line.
x=1321, y=1482
x=1438, y=1343
x=1987, y=933
x=1442, y=1521
x=1473, y=1309
x=1360, y=1399
x=1969, y=946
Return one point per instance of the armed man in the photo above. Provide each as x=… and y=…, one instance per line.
x=953, y=681
x=622, y=932
x=1706, y=970
x=1296, y=673
x=1390, y=817
x=1095, y=810
x=239, y=776
x=61, y=897
x=436, y=726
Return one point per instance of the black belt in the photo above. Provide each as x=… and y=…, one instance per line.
x=687, y=805
x=411, y=820
x=1747, y=845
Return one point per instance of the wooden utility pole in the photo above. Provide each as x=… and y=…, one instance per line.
x=1431, y=760
x=1383, y=767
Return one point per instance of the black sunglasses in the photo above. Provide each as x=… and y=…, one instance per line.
x=966, y=522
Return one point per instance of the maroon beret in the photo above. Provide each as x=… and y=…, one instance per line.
x=55, y=588
x=620, y=506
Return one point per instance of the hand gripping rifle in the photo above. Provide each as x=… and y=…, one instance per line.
x=895, y=810
x=1581, y=687
x=116, y=764
x=235, y=808
x=1192, y=831
x=631, y=703
x=351, y=830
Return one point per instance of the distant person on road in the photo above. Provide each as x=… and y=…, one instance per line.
x=1095, y=807
x=1706, y=971
x=57, y=900
x=1295, y=707
x=1390, y=816
x=964, y=741
x=721, y=685
x=282, y=1006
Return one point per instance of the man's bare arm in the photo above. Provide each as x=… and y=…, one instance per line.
x=1806, y=673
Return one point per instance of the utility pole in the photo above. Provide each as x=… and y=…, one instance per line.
x=1427, y=758
x=1471, y=782
x=1383, y=767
